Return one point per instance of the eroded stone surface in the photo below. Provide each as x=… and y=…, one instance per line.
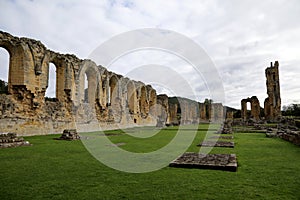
x=227, y=162
x=272, y=104
x=110, y=100
x=217, y=144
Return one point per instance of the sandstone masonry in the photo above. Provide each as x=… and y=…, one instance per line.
x=110, y=100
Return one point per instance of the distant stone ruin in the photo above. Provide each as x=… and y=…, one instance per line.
x=255, y=109
x=108, y=101
x=272, y=104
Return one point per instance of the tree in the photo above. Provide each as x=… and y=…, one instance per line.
x=208, y=101
x=3, y=87
x=291, y=110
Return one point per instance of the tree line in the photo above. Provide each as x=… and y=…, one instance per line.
x=291, y=110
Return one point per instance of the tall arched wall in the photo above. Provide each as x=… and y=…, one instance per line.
x=25, y=111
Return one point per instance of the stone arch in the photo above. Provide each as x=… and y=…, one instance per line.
x=60, y=74
x=18, y=59
x=114, y=99
x=113, y=93
x=152, y=101
x=104, y=101
x=5, y=68
x=65, y=89
x=131, y=97
x=143, y=102
x=255, y=108
x=88, y=68
x=51, y=67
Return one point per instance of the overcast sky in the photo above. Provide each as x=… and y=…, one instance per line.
x=241, y=37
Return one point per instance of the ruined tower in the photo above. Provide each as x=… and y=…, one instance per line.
x=273, y=102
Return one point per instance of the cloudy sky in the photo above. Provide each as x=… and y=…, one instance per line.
x=240, y=37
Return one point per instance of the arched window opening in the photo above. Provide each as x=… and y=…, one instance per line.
x=249, y=109
x=152, y=100
x=131, y=97
x=89, y=86
x=113, y=90
x=104, y=93
x=86, y=89
x=4, y=70
x=52, y=81
x=144, y=106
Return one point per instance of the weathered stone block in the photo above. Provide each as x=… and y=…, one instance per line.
x=70, y=134
x=11, y=140
x=226, y=162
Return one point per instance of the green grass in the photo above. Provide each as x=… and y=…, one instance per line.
x=269, y=168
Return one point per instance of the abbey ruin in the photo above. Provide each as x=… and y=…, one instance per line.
x=272, y=104
x=109, y=100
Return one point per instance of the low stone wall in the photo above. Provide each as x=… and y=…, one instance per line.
x=291, y=136
x=288, y=133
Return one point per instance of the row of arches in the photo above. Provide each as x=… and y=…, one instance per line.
x=34, y=73
x=115, y=94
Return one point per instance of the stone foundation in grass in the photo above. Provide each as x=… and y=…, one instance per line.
x=226, y=162
x=69, y=134
x=217, y=144
x=11, y=140
x=222, y=137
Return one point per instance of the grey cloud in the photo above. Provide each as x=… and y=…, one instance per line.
x=241, y=37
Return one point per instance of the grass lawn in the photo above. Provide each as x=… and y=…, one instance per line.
x=269, y=168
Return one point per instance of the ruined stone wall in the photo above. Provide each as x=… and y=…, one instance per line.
x=173, y=112
x=162, y=110
x=192, y=112
x=272, y=104
x=255, y=109
x=217, y=112
x=110, y=100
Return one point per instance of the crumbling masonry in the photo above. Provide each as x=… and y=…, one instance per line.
x=272, y=104
x=255, y=108
x=109, y=101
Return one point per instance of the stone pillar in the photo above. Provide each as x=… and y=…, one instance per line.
x=244, y=109
x=273, y=102
x=255, y=108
